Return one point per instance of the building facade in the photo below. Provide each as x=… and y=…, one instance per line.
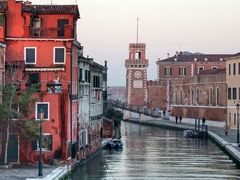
x=41, y=44
x=233, y=90
x=117, y=93
x=92, y=91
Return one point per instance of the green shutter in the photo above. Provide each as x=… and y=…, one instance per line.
x=1, y=19
x=49, y=142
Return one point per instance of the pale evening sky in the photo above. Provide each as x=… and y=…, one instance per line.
x=107, y=27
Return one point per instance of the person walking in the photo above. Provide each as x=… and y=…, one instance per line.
x=203, y=121
x=176, y=119
x=180, y=118
x=226, y=129
x=164, y=113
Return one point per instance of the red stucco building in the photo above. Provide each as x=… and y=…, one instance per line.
x=41, y=42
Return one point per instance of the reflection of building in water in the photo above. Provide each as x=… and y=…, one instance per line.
x=117, y=93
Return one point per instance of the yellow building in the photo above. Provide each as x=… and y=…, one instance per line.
x=233, y=90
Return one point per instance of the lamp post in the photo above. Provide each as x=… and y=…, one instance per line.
x=237, y=106
x=40, y=163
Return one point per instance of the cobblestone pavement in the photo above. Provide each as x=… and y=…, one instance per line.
x=23, y=172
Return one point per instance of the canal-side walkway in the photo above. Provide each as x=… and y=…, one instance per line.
x=227, y=142
x=30, y=172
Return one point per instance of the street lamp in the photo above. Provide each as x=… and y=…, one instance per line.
x=237, y=106
x=40, y=163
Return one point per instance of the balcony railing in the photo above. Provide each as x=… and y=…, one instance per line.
x=54, y=88
x=53, y=32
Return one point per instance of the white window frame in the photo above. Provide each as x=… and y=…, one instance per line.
x=25, y=55
x=168, y=70
x=36, y=118
x=200, y=67
x=54, y=55
x=44, y=149
x=182, y=71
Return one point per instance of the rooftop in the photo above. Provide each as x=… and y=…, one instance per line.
x=190, y=57
x=44, y=9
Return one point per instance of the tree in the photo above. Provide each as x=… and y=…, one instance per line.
x=15, y=108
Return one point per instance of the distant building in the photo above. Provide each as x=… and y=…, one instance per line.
x=233, y=89
x=185, y=64
x=192, y=85
x=117, y=93
x=136, y=75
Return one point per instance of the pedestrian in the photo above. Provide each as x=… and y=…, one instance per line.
x=164, y=113
x=203, y=121
x=176, y=119
x=180, y=118
x=226, y=129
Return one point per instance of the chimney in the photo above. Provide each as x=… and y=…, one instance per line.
x=27, y=2
x=105, y=63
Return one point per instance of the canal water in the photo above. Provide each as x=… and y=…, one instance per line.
x=155, y=153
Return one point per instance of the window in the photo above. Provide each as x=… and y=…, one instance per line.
x=197, y=97
x=80, y=75
x=96, y=81
x=36, y=27
x=210, y=96
x=217, y=97
x=229, y=93
x=42, y=106
x=61, y=25
x=30, y=55
x=234, y=93
x=200, y=68
x=214, y=67
x=192, y=95
x=181, y=97
x=86, y=75
x=229, y=69
x=138, y=55
x=234, y=68
x=239, y=93
x=46, y=143
x=59, y=55
x=182, y=71
x=234, y=119
x=168, y=71
x=238, y=68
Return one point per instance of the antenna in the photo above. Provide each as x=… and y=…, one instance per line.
x=137, y=29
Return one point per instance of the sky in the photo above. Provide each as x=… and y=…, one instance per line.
x=106, y=28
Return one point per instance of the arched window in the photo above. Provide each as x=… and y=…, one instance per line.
x=209, y=96
x=192, y=96
x=217, y=96
x=175, y=97
x=181, y=97
x=197, y=96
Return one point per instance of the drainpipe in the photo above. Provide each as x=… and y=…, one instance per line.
x=71, y=101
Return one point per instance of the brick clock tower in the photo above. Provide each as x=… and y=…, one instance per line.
x=136, y=75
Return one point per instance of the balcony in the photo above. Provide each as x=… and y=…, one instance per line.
x=52, y=32
x=54, y=88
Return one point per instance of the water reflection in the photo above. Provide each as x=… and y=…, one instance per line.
x=154, y=153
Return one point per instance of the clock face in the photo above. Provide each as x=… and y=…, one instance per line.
x=137, y=74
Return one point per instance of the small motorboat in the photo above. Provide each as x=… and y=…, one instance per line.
x=115, y=144
x=190, y=134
